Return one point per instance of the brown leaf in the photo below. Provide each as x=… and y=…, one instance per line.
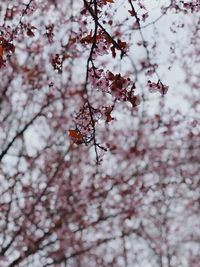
x=1, y=51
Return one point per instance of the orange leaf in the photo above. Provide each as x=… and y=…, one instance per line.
x=88, y=38
x=66, y=56
x=74, y=134
x=109, y=118
x=1, y=51
x=108, y=1
x=122, y=44
x=58, y=223
x=111, y=76
x=131, y=12
x=108, y=38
